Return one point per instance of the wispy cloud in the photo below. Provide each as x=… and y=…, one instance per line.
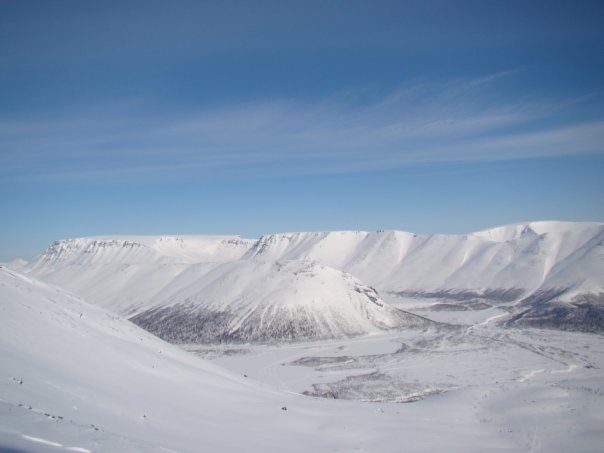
x=419, y=123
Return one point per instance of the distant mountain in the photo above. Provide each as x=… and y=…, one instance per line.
x=203, y=289
x=251, y=300
x=16, y=264
x=124, y=273
x=525, y=257
x=546, y=274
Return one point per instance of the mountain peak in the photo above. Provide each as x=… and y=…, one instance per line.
x=253, y=300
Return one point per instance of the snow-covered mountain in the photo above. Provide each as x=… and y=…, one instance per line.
x=124, y=273
x=252, y=300
x=74, y=377
x=202, y=289
x=527, y=257
x=548, y=274
x=16, y=264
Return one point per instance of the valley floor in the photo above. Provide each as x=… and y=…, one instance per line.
x=541, y=390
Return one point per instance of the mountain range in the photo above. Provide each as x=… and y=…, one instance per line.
x=316, y=285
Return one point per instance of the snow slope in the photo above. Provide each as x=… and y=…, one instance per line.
x=548, y=274
x=542, y=274
x=251, y=300
x=74, y=377
x=16, y=264
x=528, y=256
x=123, y=273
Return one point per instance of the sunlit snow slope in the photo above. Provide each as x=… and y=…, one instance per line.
x=252, y=300
x=74, y=377
x=547, y=274
x=200, y=289
x=124, y=273
x=526, y=257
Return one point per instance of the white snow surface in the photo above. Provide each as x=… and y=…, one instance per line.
x=142, y=249
x=243, y=299
x=17, y=264
x=253, y=300
x=528, y=256
x=74, y=377
x=125, y=273
x=317, y=274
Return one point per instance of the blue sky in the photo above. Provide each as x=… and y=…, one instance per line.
x=257, y=117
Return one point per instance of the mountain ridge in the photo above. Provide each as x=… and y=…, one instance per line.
x=508, y=267
x=269, y=302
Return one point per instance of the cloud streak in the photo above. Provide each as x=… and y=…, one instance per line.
x=421, y=123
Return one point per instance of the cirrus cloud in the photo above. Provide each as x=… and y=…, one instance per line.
x=422, y=122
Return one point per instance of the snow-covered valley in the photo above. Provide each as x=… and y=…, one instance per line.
x=341, y=341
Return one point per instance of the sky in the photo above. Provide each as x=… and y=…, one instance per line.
x=247, y=118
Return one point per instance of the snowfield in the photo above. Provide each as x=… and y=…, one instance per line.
x=75, y=377
x=333, y=341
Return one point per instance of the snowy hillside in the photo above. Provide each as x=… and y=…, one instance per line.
x=141, y=250
x=16, y=264
x=74, y=377
x=123, y=273
x=252, y=300
x=527, y=257
x=547, y=274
